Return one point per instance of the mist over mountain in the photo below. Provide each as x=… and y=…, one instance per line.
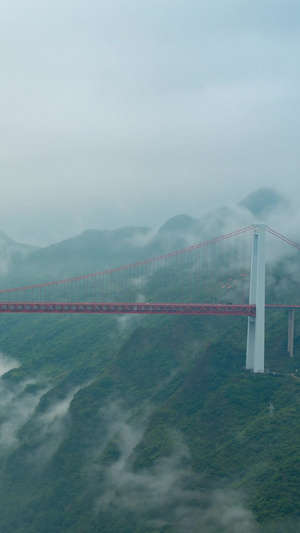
x=95, y=250
x=118, y=424
x=12, y=254
x=264, y=202
x=140, y=141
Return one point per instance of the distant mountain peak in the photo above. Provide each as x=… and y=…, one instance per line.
x=6, y=238
x=177, y=223
x=264, y=201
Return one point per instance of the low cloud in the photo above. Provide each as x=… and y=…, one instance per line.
x=17, y=404
x=221, y=511
x=11, y=251
x=7, y=363
x=128, y=322
x=49, y=429
x=162, y=495
x=139, y=239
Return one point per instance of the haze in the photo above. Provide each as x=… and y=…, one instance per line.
x=127, y=112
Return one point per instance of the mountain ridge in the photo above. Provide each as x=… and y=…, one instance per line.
x=119, y=424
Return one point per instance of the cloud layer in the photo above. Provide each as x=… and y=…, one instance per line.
x=118, y=113
x=161, y=495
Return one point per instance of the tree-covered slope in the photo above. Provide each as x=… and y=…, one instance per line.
x=136, y=424
x=154, y=432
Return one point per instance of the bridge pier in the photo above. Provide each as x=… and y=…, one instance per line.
x=291, y=332
x=255, y=356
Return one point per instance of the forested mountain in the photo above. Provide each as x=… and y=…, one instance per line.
x=145, y=424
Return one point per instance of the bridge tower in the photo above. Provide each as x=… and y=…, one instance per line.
x=255, y=357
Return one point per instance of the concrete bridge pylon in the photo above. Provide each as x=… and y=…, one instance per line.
x=255, y=356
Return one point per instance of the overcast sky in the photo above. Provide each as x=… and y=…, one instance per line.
x=127, y=112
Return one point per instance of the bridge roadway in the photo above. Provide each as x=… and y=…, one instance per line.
x=129, y=308
x=136, y=308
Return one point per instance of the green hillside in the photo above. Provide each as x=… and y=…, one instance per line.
x=163, y=423
x=148, y=424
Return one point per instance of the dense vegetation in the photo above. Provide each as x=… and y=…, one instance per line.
x=146, y=424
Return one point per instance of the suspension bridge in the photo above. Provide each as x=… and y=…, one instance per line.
x=226, y=275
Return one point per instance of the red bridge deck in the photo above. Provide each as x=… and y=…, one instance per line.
x=129, y=308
